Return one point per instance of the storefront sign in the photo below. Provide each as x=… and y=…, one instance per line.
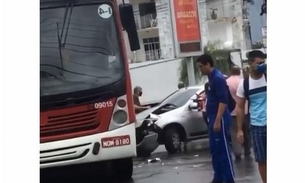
x=186, y=25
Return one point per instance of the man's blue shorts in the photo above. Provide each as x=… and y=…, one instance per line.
x=259, y=136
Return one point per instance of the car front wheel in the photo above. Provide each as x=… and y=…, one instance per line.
x=172, y=140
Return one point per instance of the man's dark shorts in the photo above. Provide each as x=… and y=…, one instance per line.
x=259, y=136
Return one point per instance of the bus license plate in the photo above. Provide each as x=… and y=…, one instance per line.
x=116, y=141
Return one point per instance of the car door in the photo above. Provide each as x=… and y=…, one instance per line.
x=195, y=124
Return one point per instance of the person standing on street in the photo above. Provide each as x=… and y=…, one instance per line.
x=201, y=100
x=137, y=92
x=254, y=90
x=233, y=82
x=219, y=120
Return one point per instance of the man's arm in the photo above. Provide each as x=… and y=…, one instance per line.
x=222, y=95
x=137, y=105
x=240, y=106
x=201, y=100
x=139, y=108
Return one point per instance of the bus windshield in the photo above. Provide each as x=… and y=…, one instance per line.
x=79, y=48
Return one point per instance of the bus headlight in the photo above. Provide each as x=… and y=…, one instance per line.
x=120, y=117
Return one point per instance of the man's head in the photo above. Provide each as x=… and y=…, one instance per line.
x=235, y=71
x=181, y=85
x=256, y=59
x=137, y=91
x=205, y=63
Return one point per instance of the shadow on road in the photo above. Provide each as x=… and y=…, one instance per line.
x=193, y=166
x=96, y=175
x=82, y=178
x=89, y=173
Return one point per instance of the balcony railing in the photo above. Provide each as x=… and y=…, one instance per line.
x=146, y=21
x=153, y=55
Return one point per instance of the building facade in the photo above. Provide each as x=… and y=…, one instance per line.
x=222, y=21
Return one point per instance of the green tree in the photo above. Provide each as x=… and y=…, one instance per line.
x=220, y=57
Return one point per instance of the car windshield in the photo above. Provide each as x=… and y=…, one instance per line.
x=79, y=48
x=180, y=97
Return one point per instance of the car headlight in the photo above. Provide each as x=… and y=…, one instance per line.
x=151, y=122
x=152, y=119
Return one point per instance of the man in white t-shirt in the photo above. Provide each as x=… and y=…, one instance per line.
x=254, y=90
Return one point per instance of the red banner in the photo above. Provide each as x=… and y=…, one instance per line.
x=187, y=20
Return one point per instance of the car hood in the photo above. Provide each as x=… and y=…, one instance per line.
x=165, y=118
x=142, y=115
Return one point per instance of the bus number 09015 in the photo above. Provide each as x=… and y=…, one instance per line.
x=101, y=105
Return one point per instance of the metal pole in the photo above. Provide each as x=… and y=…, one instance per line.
x=191, y=72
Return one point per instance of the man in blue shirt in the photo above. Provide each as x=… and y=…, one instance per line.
x=219, y=119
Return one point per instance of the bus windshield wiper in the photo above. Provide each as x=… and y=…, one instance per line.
x=60, y=36
x=68, y=23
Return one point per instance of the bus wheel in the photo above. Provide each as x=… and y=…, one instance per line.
x=123, y=168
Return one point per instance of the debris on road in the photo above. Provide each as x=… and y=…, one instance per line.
x=154, y=160
x=197, y=166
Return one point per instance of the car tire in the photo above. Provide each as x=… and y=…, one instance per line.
x=123, y=168
x=172, y=140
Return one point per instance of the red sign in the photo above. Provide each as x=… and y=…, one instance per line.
x=116, y=141
x=187, y=20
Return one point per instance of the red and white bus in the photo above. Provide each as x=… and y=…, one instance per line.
x=86, y=107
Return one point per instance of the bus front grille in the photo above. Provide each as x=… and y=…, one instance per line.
x=70, y=123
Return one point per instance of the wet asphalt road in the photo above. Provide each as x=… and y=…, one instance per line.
x=193, y=166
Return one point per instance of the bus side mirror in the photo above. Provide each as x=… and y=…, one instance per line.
x=129, y=25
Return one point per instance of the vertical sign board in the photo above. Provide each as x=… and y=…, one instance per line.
x=186, y=28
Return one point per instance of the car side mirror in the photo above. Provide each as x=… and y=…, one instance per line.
x=129, y=25
x=193, y=106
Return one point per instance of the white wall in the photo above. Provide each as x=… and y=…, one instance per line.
x=221, y=31
x=158, y=79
